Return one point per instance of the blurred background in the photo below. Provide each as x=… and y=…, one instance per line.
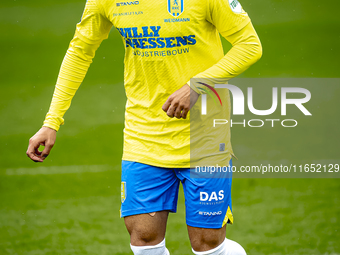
x=70, y=203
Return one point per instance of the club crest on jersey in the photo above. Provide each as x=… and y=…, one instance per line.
x=123, y=191
x=175, y=7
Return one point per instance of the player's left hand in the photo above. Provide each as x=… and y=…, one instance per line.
x=180, y=102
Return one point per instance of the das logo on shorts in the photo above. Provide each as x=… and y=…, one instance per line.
x=175, y=7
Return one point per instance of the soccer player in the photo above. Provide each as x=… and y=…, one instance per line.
x=166, y=44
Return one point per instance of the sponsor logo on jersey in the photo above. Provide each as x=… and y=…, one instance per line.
x=176, y=20
x=128, y=3
x=149, y=37
x=123, y=191
x=235, y=6
x=210, y=213
x=126, y=13
x=213, y=196
x=175, y=7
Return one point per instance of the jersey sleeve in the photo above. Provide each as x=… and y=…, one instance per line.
x=227, y=16
x=94, y=27
x=90, y=32
x=233, y=23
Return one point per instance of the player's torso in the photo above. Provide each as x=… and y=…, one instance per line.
x=167, y=42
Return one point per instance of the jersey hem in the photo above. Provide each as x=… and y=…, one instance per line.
x=150, y=162
x=135, y=158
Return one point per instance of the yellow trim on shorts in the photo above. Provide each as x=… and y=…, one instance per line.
x=228, y=217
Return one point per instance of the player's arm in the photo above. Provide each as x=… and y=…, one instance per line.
x=246, y=50
x=91, y=31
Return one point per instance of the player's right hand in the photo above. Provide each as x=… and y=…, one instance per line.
x=46, y=137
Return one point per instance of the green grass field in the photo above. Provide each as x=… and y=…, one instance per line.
x=70, y=203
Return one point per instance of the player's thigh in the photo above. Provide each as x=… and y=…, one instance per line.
x=147, y=189
x=148, y=193
x=208, y=208
x=148, y=228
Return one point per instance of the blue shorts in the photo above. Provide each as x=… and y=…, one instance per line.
x=147, y=189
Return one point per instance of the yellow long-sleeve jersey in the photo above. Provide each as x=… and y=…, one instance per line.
x=166, y=44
